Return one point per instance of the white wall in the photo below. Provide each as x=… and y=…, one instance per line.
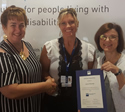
x=47, y=10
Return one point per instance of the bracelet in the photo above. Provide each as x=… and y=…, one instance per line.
x=119, y=72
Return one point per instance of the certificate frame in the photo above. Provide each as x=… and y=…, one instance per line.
x=91, y=72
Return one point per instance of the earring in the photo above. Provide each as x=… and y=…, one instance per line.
x=5, y=37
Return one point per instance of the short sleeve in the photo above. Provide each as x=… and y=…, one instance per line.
x=52, y=48
x=91, y=51
x=7, y=70
x=49, y=49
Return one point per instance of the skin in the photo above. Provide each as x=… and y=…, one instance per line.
x=68, y=28
x=110, y=46
x=111, y=53
x=15, y=31
x=112, y=56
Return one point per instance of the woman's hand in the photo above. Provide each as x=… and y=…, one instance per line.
x=108, y=66
x=51, y=86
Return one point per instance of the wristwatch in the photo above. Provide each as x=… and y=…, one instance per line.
x=119, y=72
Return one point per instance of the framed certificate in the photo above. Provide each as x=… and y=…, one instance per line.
x=91, y=95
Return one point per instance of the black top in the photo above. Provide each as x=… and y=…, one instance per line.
x=66, y=101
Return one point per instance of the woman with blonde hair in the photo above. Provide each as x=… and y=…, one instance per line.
x=61, y=58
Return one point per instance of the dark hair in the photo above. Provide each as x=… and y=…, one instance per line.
x=13, y=12
x=105, y=28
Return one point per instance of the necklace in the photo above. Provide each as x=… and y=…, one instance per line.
x=21, y=53
x=23, y=56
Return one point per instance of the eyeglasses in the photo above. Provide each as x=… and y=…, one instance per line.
x=111, y=37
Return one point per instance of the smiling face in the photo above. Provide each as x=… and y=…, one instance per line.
x=15, y=30
x=68, y=26
x=108, y=44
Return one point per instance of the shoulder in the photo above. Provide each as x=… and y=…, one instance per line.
x=4, y=57
x=2, y=46
x=123, y=56
x=52, y=42
x=87, y=47
x=122, y=59
x=52, y=48
x=87, y=44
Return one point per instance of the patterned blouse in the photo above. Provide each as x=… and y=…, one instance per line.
x=13, y=69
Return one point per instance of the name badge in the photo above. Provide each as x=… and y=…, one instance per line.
x=66, y=81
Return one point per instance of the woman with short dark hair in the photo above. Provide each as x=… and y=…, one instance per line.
x=109, y=39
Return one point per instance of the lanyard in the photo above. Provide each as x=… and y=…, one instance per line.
x=64, y=50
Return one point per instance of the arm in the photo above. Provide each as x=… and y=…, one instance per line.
x=121, y=80
x=44, y=60
x=108, y=66
x=17, y=91
x=90, y=65
x=91, y=56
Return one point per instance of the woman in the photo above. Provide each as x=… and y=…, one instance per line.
x=109, y=38
x=20, y=72
x=61, y=58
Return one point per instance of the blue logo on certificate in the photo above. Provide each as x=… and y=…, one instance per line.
x=87, y=94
